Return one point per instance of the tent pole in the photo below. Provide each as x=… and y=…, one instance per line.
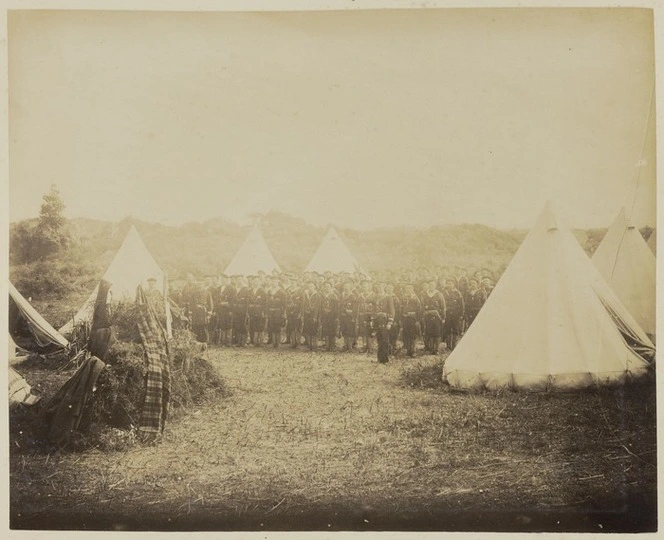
x=167, y=308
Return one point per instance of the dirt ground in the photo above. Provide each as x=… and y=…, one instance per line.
x=336, y=441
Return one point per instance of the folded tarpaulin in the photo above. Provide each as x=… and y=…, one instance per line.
x=65, y=409
x=19, y=390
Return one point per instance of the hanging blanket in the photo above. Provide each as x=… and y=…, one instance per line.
x=158, y=376
x=65, y=409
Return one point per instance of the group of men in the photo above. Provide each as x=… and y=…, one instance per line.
x=309, y=308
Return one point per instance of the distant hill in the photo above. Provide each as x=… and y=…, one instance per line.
x=206, y=247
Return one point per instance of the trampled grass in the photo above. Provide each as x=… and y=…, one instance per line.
x=334, y=441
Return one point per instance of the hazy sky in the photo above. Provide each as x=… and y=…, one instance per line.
x=361, y=119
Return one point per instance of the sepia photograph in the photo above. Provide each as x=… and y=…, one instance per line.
x=332, y=270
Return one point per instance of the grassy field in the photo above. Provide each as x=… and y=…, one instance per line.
x=334, y=441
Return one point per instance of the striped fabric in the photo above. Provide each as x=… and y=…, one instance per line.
x=158, y=377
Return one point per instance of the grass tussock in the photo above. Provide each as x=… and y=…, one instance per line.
x=424, y=374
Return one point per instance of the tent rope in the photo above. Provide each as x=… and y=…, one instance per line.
x=638, y=176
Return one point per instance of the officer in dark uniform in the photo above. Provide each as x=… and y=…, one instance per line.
x=239, y=308
x=487, y=285
x=225, y=295
x=411, y=309
x=293, y=312
x=367, y=313
x=455, y=314
x=275, y=303
x=199, y=305
x=349, y=306
x=329, y=315
x=311, y=300
x=433, y=314
x=383, y=321
x=256, y=309
x=475, y=298
x=396, y=325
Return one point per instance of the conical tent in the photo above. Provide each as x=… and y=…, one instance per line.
x=42, y=332
x=652, y=241
x=627, y=264
x=333, y=256
x=551, y=322
x=253, y=256
x=132, y=266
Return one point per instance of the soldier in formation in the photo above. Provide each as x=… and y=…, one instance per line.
x=314, y=309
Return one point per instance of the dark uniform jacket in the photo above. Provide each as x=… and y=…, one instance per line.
x=474, y=302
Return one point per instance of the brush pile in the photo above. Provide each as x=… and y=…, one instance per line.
x=111, y=421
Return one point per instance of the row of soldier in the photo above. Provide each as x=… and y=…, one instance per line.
x=240, y=311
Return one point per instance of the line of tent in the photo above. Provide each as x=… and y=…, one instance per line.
x=554, y=320
x=133, y=264
x=331, y=256
x=557, y=320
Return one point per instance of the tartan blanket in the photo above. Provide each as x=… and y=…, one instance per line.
x=158, y=376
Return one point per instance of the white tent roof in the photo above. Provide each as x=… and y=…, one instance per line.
x=43, y=333
x=333, y=256
x=652, y=241
x=132, y=266
x=627, y=264
x=550, y=322
x=253, y=256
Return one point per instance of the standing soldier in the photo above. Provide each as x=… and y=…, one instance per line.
x=156, y=300
x=411, y=313
x=329, y=315
x=223, y=310
x=240, y=309
x=367, y=312
x=455, y=314
x=463, y=283
x=256, y=310
x=200, y=303
x=349, y=305
x=475, y=298
x=311, y=300
x=383, y=321
x=212, y=288
x=396, y=325
x=188, y=295
x=293, y=312
x=487, y=285
x=433, y=312
x=275, y=303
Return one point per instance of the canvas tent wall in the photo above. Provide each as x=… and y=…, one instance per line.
x=132, y=266
x=41, y=331
x=253, y=256
x=627, y=264
x=334, y=256
x=551, y=322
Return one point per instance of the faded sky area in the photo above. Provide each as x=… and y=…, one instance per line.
x=361, y=119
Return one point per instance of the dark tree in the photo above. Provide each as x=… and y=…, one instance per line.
x=50, y=235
